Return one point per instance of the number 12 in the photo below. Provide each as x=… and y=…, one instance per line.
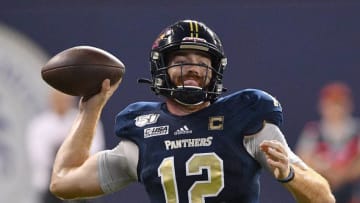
x=194, y=166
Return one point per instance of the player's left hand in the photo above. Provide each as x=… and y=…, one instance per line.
x=276, y=157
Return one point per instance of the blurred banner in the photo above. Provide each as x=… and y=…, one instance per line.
x=22, y=94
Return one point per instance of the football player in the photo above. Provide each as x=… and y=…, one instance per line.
x=195, y=146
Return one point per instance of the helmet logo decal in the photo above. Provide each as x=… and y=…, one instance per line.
x=194, y=29
x=156, y=42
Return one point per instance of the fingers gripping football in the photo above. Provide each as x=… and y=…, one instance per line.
x=99, y=100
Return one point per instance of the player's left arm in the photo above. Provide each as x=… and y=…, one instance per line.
x=270, y=148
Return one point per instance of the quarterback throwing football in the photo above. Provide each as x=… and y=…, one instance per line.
x=194, y=147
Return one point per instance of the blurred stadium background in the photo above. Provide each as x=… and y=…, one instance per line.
x=285, y=47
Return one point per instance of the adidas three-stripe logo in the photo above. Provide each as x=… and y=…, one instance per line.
x=183, y=130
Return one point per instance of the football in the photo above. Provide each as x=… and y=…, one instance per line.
x=80, y=70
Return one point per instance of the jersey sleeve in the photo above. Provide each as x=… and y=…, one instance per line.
x=117, y=167
x=264, y=109
x=269, y=132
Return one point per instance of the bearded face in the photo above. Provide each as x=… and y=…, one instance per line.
x=190, y=68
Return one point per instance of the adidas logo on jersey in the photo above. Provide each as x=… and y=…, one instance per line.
x=183, y=130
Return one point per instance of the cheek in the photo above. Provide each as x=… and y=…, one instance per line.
x=209, y=75
x=172, y=72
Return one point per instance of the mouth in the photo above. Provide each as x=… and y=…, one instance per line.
x=191, y=82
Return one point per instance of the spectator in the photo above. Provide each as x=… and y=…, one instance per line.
x=331, y=145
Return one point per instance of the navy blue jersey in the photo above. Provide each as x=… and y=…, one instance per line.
x=199, y=157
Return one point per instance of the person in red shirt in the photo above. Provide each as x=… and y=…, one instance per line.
x=331, y=145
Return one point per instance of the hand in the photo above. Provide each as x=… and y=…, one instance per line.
x=276, y=157
x=99, y=100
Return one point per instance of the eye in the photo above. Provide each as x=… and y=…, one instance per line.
x=178, y=62
x=204, y=64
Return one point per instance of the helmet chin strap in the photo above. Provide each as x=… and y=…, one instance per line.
x=188, y=95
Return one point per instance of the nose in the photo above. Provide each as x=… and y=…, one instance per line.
x=191, y=68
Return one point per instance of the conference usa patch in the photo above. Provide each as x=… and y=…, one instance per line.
x=156, y=131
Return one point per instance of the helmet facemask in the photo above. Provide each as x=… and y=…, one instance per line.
x=190, y=94
x=208, y=88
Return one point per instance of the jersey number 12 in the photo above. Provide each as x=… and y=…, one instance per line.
x=194, y=166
